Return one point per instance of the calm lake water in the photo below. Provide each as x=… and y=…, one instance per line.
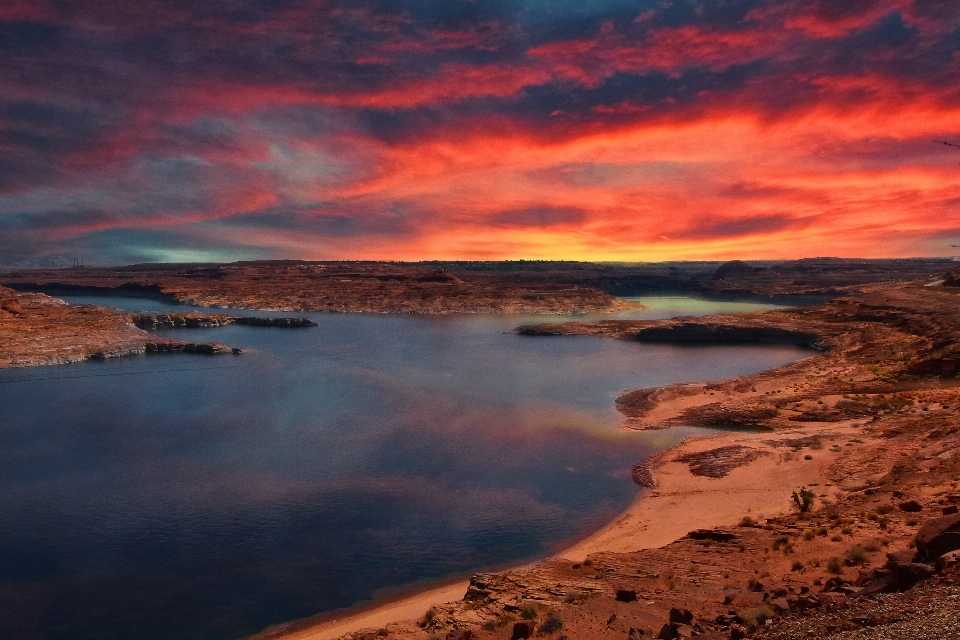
x=191, y=497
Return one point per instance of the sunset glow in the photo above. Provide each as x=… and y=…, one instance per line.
x=596, y=130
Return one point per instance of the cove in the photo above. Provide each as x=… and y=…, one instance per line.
x=188, y=497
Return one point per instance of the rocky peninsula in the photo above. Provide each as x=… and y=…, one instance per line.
x=36, y=329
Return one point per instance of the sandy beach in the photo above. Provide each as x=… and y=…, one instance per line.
x=680, y=503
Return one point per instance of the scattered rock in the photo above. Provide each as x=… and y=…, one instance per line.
x=910, y=506
x=780, y=606
x=460, y=634
x=637, y=634
x=737, y=632
x=668, y=632
x=832, y=599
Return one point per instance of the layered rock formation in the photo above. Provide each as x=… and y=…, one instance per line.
x=370, y=287
x=36, y=329
x=471, y=287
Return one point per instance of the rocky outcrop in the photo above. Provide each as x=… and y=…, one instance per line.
x=200, y=321
x=283, y=323
x=952, y=278
x=208, y=348
x=716, y=463
x=937, y=537
x=760, y=328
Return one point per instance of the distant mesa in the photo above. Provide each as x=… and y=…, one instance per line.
x=735, y=268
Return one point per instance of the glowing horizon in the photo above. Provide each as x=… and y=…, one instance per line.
x=605, y=130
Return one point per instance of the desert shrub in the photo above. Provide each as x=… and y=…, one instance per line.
x=808, y=457
x=883, y=522
x=796, y=566
x=847, y=531
x=757, y=616
x=872, y=546
x=884, y=509
x=857, y=554
x=529, y=612
x=504, y=619
x=809, y=535
x=552, y=624
x=489, y=625
x=822, y=531
x=835, y=565
x=803, y=499
x=747, y=521
x=428, y=617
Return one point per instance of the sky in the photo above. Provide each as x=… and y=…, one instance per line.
x=640, y=130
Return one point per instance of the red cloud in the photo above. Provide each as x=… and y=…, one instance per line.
x=667, y=50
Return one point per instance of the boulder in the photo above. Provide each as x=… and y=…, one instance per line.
x=947, y=560
x=910, y=506
x=681, y=616
x=905, y=570
x=523, y=629
x=668, y=632
x=737, y=632
x=937, y=537
x=626, y=595
x=833, y=584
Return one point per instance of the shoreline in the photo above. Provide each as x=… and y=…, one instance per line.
x=757, y=488
x=845, y=423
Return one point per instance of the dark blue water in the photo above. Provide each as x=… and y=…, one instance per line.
x=184, y=496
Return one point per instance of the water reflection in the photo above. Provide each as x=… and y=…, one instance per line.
x=189, y=497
